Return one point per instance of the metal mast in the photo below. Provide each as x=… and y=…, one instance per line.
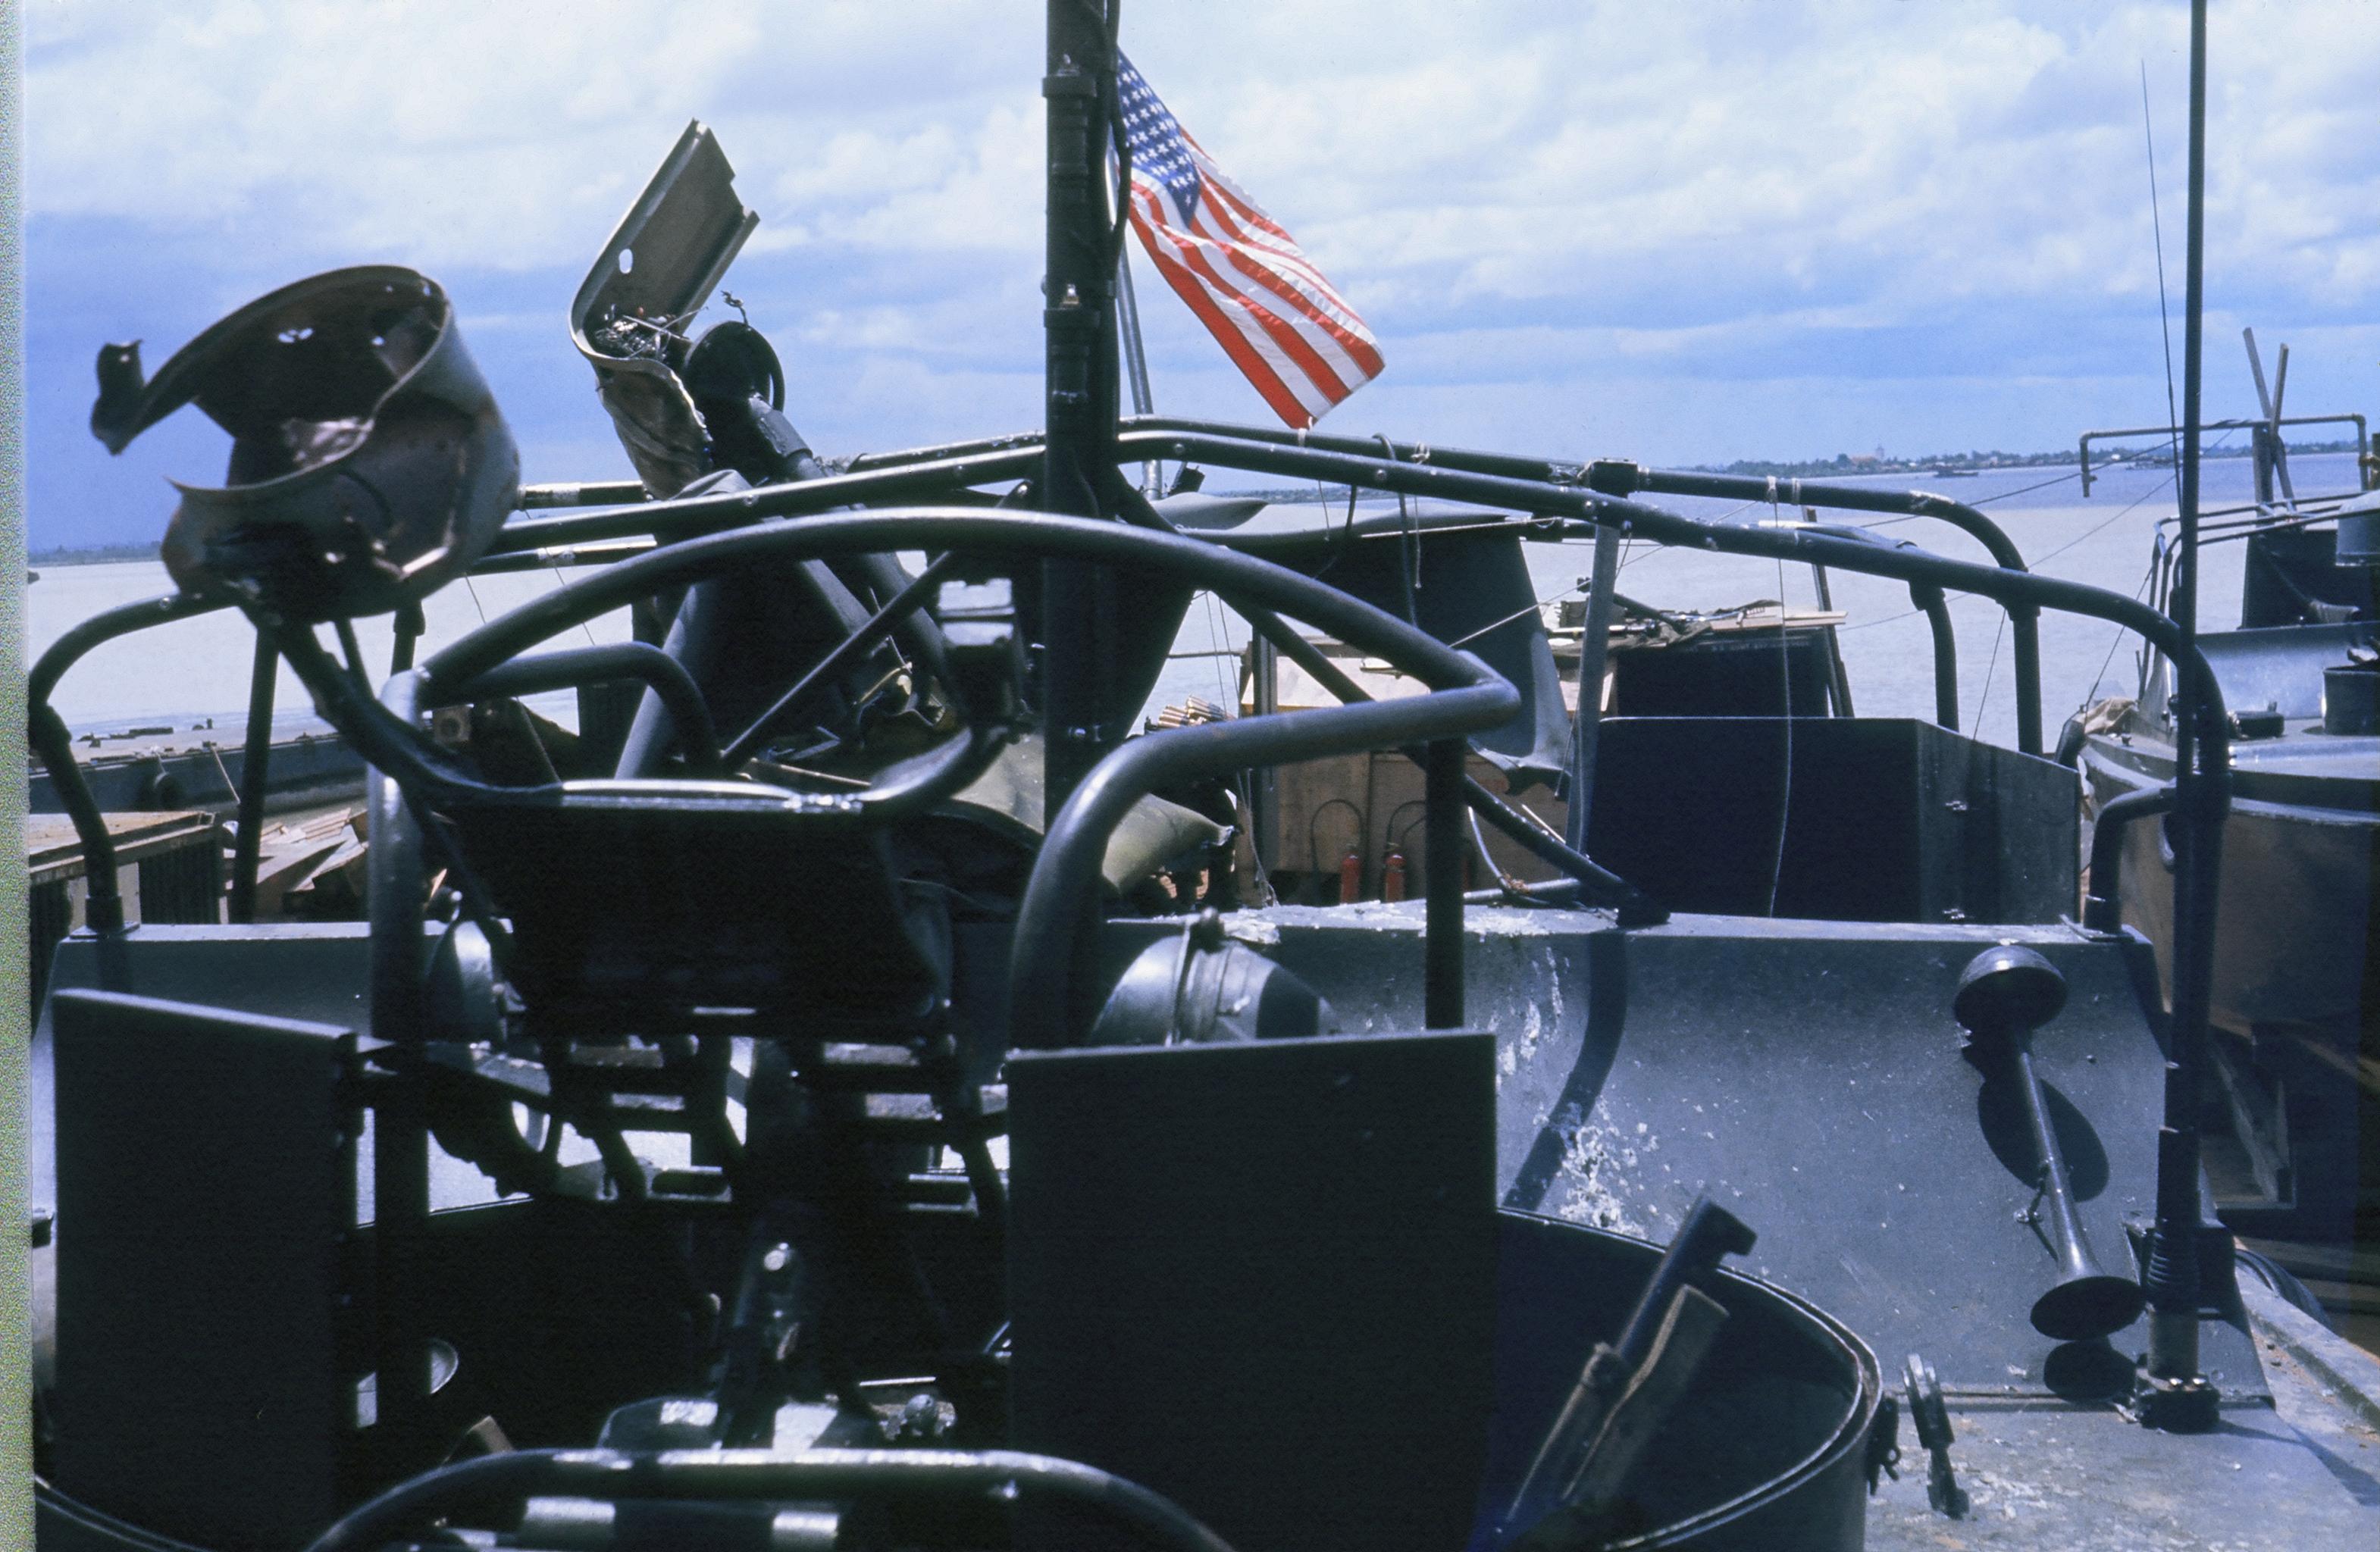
x=1079, y=602
x=2177, y=1395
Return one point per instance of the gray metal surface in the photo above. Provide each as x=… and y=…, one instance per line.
x=1889, y=819
x=307, y=972
x=2282, y=665
x=1260, y=1279
x=2046, y=1476
x=206, y=1361
x=1764, y=1448
x=1809, y=1077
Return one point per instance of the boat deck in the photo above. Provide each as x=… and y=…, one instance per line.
x=2302, y=1472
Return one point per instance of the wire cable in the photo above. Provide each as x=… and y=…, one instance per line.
x=1785, y=663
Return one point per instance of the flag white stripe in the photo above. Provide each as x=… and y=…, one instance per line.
x=1229, y=307
x=1255, y=232
x=1289, y=330
x=1311, y=331
x=1324, y=306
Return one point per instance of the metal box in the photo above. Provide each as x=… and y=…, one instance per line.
x=1881, y=819
x=1261, y=1278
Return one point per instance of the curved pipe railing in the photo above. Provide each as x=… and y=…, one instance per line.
x=1010, y=457
x=428, y=774
x=889, y=474
x=686, y=515
x=624, y=660
x=1198, y=564
x=2013, y=589
x=2024, y=623
x=1945, y=654
x=396, y=748
x=2103, y=910
x=1065, y=876
x=1929, y=599
x=2204, y=794
x=53, y=745
x=1599, y=884
x=1617, y=478
x=1031, y=441
x=1605, y=477
x=556, y=557
x=932, y=529
x=578, y=492
x=1798, y=544
x=497, y=1481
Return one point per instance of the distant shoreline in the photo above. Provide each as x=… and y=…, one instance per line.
x=1979, y=462
x=1839, y=466
x=1844, y=467
x=91, y=554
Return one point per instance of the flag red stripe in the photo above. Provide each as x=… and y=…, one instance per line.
x=1229, y=217
x=1360, y=352
x=1259, y=374
x=1256, y=216
x=1230, y=213
x=1226, y=312
x=1282, y=332
x=1304, y=328
x=1298, y=341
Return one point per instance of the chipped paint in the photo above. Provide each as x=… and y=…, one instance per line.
x=1593, y=1159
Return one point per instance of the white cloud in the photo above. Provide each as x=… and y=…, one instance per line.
x=1604, y=187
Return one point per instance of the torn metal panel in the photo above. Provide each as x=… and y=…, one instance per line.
x=369, y=465
x=651, y=278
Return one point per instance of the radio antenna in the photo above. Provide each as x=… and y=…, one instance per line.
x=2157, y=228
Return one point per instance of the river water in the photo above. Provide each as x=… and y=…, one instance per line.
x=183, y=674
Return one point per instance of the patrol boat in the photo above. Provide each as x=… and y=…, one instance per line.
x=779, y=1128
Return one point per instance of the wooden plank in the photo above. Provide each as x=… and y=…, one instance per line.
x=52, y=851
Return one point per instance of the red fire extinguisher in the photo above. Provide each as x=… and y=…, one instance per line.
x=1351, y=876
x=1393, y=876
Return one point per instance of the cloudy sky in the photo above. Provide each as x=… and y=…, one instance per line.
x=1685, y=233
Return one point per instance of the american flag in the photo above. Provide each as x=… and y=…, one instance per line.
x=1283, y=325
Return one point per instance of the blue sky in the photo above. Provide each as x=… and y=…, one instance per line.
x=1681, y=234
